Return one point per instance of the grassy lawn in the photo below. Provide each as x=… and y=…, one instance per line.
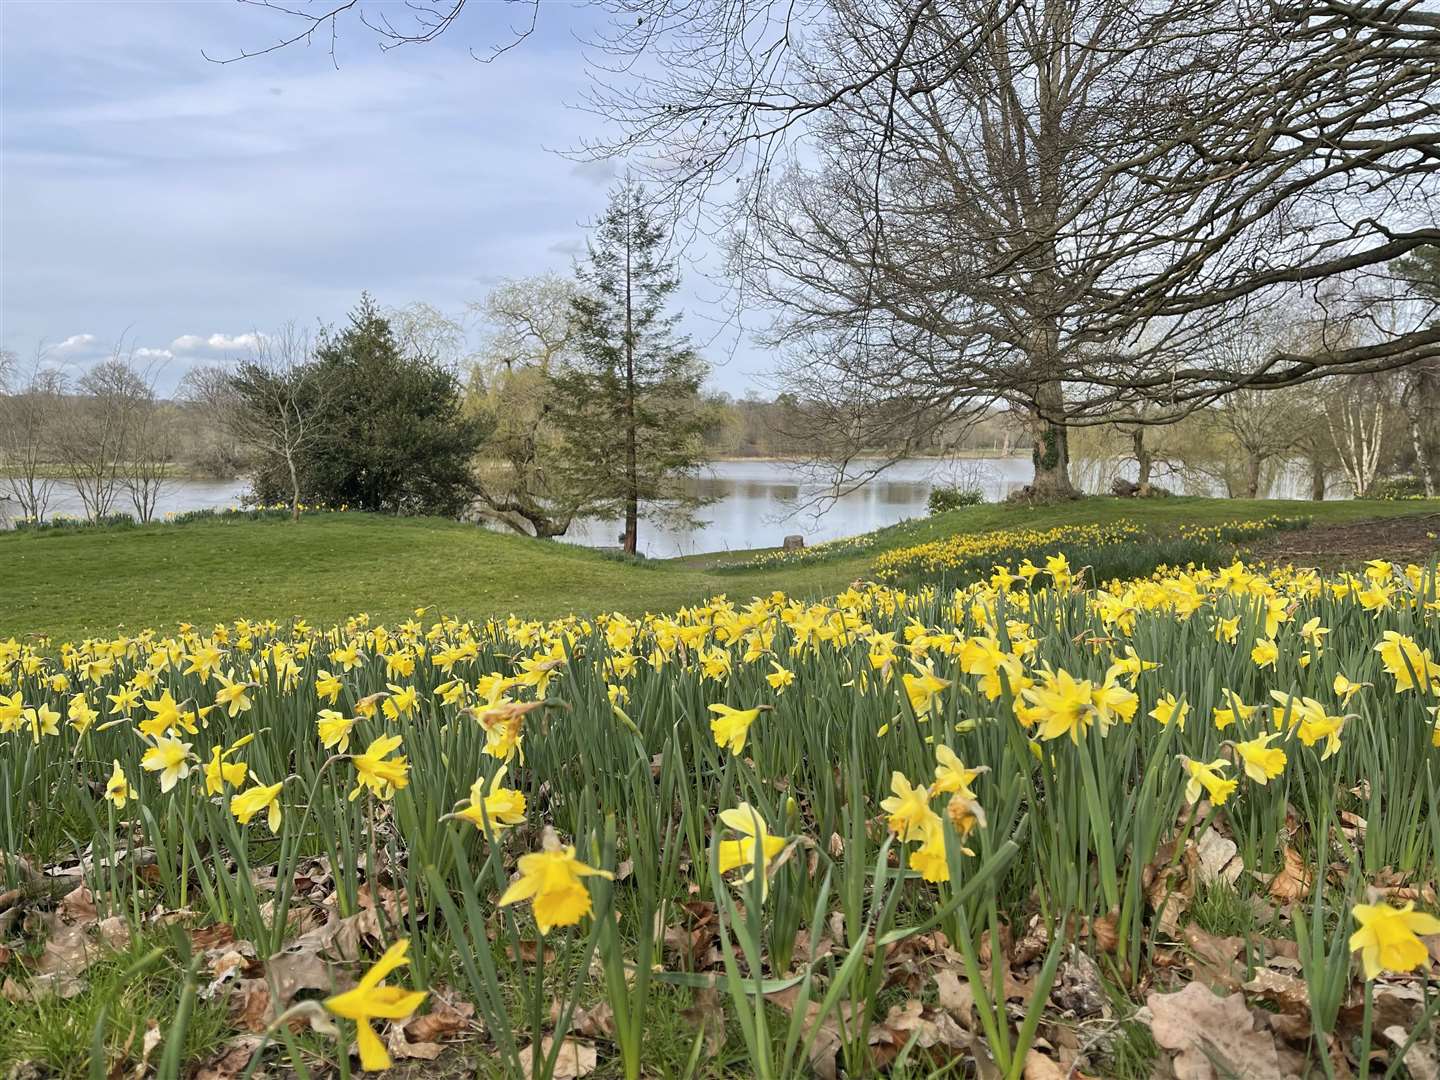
x=326, y=566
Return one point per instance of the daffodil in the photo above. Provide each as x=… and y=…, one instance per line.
x=369, y=1000
x=80, y=714
x=1389, y=937
x=1236, y=710
x=731, y=726
x=1114, y=701
x=1168, y=710
x=219, y=773
x=334, y=729
x=124, y=701
x=1313, y=633
x=1205, y=776
x=170, y=758
x=758, y=840
x=43, y=720
x=165, y=715
x=377, y=771
x=12, y=711
x=401, y=702
x=1062, y=704
x=232, y=695
x=327, y=686
x=250, y=802
x=910, y=816
x=780, y=678
x=923, y=688
x=1404, y=659
x=551, y=879
x=1262, y=763
x=117, y=788
x=952, y=775
x=1227, y=630
x=500, y=807
x=1345, y=689
x=1265, y=653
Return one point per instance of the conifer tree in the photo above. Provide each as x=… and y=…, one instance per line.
x=628, y=401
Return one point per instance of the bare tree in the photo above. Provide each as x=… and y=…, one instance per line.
x=271, y=399
x=206, y=390
x=531, y=332
x=94, y=431
x=29, y=410
x=953, y=206
x=150, y=452
x=1355, y=412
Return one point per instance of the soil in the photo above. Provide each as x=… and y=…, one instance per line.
x=1331, y=547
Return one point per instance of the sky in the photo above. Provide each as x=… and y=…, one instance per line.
x=154, y=198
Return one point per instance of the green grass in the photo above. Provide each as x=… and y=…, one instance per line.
x=70, y=583
x=122, y=994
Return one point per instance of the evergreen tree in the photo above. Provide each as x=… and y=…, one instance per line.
x=628, y=402
x=396, y=437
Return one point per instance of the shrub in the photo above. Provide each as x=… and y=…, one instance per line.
x=946, y=498
x=1397, y=487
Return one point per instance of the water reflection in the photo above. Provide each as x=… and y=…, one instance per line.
x=759, y=503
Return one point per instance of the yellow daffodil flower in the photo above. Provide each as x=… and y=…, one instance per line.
x=500, y=807
x=251, y=801
x=551, y=880
x=369, y=1000
x=731, y=726
x=1205, y=776
x=1389, y=937
x=746, y=820
x=376, y=771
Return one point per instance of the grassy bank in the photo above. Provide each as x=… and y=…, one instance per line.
x=327, y=566
x=893, y=835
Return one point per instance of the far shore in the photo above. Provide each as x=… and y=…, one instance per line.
x=181, y=472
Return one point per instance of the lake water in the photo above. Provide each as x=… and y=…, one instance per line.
x=757, y=503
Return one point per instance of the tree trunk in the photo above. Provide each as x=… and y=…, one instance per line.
x=1142, y=460
x=1254, y=463
x=1051, y=449
x=1425, y=426
x=1317, y=479
x=294, y=486
x=632, y=472
x=1422, y=457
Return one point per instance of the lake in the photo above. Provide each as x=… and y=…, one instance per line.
x=757, y=503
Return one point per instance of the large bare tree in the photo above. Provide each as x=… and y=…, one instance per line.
x=30, y=404
x=271, y=401
x=95, y=431
x=1046, y=204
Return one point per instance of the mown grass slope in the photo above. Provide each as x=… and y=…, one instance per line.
x=69, y=583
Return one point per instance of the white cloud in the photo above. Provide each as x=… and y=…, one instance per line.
x=75, y=341
x=154, y=354
x=218, y=342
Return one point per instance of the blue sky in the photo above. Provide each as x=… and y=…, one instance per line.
x=151, y=195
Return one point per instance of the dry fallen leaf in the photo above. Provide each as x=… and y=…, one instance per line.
x=1205, y=1030
x=1293, y=881
x=1216, y=859
x=1214, y=960
x=1420, y=1059
x=1286, y=992
x=443, y=1021
x=1040, y=1067
x=955, y=996
x=575, y=1059
x=231, y=1061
